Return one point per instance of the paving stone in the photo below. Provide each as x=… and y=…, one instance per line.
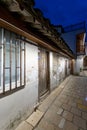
x=63, y=100
x=53, y=109
x=71, y=99
x=79, y=101
x=57, y=103
x=76, y=96
x=45, y=104
x=66, y=107
x=82, y=107
x=35, y=118
x=78, y=121
x=60, y=110
x=44, y=125
x=53, y=117
x=85, y=101
x=72, y=103
x=76, y=111
x=49, y=100
x=24, y=126
x=67, y=115
x=70, y=126
x=84, y=115
x=80, y=129
x=62, y=123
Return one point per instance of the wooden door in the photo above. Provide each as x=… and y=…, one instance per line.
x=43, y=72
x=85, y=62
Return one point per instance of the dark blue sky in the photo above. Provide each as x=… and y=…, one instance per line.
x=63, y=12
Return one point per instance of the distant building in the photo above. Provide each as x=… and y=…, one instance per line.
x=74, y=36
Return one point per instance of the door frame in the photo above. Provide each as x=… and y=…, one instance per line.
x=48, y=74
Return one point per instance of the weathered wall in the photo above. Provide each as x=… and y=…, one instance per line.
x=57, y=69
x=78, y=64
x=17, y=106
x=86, y=48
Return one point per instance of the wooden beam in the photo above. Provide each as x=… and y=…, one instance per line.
x=19, y=31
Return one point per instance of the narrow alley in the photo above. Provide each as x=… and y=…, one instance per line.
x=43, y=67
x=64, y=109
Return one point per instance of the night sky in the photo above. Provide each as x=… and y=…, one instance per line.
x=63, y=12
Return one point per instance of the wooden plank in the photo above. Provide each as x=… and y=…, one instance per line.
x=43, y=72
x=26, y=34
x=20, y=63
x=4, y=47
x=15, y=64
x=10, y=62
x=24, y=64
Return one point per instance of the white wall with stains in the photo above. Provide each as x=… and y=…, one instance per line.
x=78, y=64
x=19, y=105
x=57, y=70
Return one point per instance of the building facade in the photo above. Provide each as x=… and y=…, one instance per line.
x=32, y=62
x=75, y=36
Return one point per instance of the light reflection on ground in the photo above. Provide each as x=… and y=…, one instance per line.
x=86, y=99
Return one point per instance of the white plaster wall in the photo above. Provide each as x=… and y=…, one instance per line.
x=56, y=78
x=51, y=68
x=18, y=105
x=86, y=49
x=62, y=68
x=54, y=72
x=79, y=63
x=53, y=78
x=68, y=68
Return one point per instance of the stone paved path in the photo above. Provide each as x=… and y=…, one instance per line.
x=83, y=73
x=66, y=107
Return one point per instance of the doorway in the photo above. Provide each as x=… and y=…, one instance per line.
x=43, y=72
x=85, y=62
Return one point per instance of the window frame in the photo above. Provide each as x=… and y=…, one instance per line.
x=12, y=86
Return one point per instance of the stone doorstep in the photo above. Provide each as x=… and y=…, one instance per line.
x=24, y=126
x=35, y=118
x=31, y=122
